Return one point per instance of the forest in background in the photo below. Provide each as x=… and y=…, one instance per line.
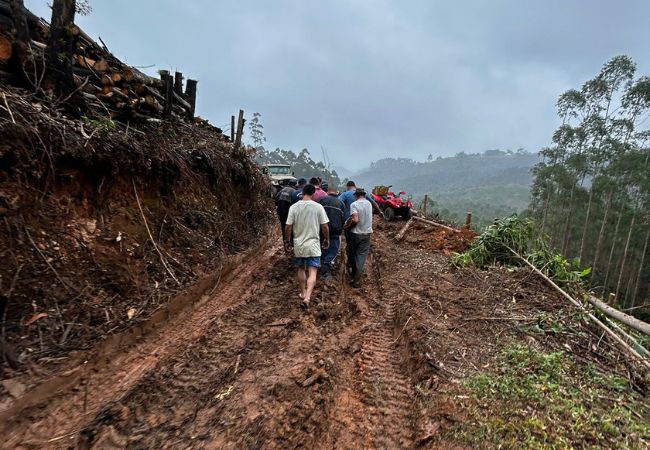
x=591, y=192
x=495, y=183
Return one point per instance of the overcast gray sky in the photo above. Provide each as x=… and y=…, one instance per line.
x=373, y=78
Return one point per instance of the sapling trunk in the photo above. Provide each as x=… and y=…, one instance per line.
x=611, y=250
x=640, y=271
x=601, y=236
x=587, y=217
x=625, y=250
x=567, y=225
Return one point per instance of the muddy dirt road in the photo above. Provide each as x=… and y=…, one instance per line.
x=362, y=368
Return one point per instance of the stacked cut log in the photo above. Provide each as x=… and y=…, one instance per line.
x=104, y=81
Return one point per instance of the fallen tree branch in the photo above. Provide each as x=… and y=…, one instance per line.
x=162, y=258
x=404, y=229
x=624, y=346
x=614, y=313
x=647, y=305
x=435, y=224
x=637, y=346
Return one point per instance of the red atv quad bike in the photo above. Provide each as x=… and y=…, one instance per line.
x=392, y=205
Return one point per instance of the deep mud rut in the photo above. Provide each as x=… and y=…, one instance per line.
x=250, y=369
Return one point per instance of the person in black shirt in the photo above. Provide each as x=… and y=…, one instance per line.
x=283, y=202
x=334, y=209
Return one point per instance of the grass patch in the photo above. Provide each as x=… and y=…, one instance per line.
x=536, y=400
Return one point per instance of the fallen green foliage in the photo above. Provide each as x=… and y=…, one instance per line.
x=537, y=400
x=493, y=246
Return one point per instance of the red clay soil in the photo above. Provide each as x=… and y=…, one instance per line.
x=248, y=368
x=439, y=239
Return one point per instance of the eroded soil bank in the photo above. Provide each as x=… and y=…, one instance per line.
x=106, y=227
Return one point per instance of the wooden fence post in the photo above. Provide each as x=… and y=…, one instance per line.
x=468, y=220
x=178, y=83
x=168, y=86
x=240, y=129
x=424, y=206
x=232, y=128
x=190, y=93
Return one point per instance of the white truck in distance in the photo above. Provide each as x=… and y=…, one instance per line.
x=280, y=174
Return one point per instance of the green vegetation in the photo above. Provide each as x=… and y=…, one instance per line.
x=485, y=203
x=106, y=124
x=493, y=246
x=591, y=192
x=535, y=400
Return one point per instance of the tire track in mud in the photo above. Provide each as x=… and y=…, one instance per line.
x=183, y=401
x=387, y=388
x=347, y=422
x=373, y=405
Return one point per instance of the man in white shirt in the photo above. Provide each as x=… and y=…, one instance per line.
x=307, y=220
x=360, y=225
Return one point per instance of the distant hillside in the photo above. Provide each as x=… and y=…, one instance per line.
x=492, y=168
x=343, y=172
x=491, y=184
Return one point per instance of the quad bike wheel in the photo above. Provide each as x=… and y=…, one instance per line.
x=407, y=214
x=389, y=214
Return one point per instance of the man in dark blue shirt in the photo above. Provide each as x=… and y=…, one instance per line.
x=334, y=209
x=348, y=198
x=297, y=194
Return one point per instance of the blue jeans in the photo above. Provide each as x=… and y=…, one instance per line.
x=329, y=255
x=311, y=261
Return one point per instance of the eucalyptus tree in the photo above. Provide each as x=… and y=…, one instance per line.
x=257, y=130
x=590, y=191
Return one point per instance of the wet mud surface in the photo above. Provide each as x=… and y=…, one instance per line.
x=361, y=368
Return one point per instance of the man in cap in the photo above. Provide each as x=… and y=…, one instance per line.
x=359, y=225
x=349, y=197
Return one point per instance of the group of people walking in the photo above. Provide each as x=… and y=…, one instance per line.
x=314, y=217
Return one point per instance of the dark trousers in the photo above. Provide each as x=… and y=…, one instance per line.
x=359, y=248
x=349, y=264
x=283, y=213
